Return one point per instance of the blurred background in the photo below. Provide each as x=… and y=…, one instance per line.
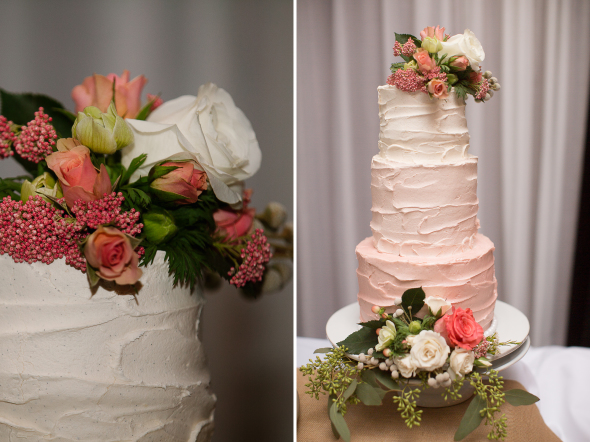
x=246, y=48
x=530, y=140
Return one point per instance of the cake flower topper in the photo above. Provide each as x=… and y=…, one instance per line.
x=424, y=339
x=438, y=65
x=107, y=192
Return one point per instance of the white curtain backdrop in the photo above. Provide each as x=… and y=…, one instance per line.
x=529, y=139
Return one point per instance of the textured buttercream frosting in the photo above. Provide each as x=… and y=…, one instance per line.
x=77, y=366
x=428, y=209
x=418, y=129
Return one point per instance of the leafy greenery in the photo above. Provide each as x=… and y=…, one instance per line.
x=11, y=187
x=360, y=341
x=413, y=301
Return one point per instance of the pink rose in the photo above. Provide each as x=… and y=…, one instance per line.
x=109, y=252
x=475, y=77
x=76, y=174
x=235, y=223
x=438, y=88
x=185, y=183
x=98, y=91
x=431, y=31
x=425, y=62
x=460, y=63
x=461, y=329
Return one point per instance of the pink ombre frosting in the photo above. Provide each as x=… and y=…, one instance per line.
x=426, y=209
x=465, y=279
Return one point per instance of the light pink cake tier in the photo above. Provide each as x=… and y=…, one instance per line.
x=465, y=279
x=424, y=209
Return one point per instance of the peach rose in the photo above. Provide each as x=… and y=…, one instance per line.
x=76, y=174
x=431, y=31
x=110, y=253
x=438, y=88
x=425, y=62
x=460, y=63
x=182, y=185
x=98, y=91
x=235, y=223
x=461, y=329
x=475, y=77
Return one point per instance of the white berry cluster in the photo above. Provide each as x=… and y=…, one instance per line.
x=440, y=380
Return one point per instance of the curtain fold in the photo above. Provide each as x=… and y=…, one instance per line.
x=529, y=140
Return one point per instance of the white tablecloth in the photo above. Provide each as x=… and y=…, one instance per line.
x=559, y=376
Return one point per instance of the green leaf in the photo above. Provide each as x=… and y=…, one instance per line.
x=160, y=171
x=351, y=388
x=367, y=394
x=384, y=378
x=403, y=38
x=518, y=397
x=323, y=350
x=395, y=66
x=360, y=341
x=135, y=164
x=21, y=108
x=146, y=110
x=378, y=323
x=331, y=400
x=471, y=418
x=339, y=423
x=93, y=278
x=413, y=298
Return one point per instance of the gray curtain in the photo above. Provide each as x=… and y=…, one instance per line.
x=245, y=47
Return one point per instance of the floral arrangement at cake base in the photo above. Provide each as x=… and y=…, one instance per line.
x=116, y=183
x=426, y=343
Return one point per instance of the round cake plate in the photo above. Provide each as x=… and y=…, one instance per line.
x=512, y=325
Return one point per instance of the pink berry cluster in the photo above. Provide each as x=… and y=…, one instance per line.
x=482, y=89
x=37, y=232
x=106, y=210
x=481, y=349
x=406, y=80
x=7, y=137
x=36, y=138
x=254, y=257
x=407, y=49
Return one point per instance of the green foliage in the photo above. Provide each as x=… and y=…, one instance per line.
x=413, y=301
x=11, y=187
x=428, y=322
x=133, y=166
x=462, y=88
x=378, y=323
x=323, y=350
x=395, y=66
x=135, y=199
x=21, y=108
x=406, y=403
x=471, y=419
x=517, y=397
x=368, y=394
x=360, y=341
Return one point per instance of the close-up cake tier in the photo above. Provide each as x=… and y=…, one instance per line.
x=84, y=366
x=464, y=279
x=418, y=129
x=428, y=209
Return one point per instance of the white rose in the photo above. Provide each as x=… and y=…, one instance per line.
x=429, y=350
x=406, y=366
x=462, y=361
x=464, y=44
x=208, y=128
x=435, y=304
x=386, y=335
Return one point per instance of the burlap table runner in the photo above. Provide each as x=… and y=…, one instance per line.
x=383, y=423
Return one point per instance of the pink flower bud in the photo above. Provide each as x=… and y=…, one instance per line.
x=235, y=223
x=460, y=63
x=378, y=330
x=182, y=185
x=387, y=352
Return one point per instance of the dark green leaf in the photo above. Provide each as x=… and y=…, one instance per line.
x=133, y=166
x=395, y=66
x=384, y=378
x=160, y=171
x=471, y=418
x=413, y=298
x=323, y=350
x=146, y=110
x=360, y=341
x=351, y=388
x=378, y=323
x=21, y=108
x=339, y=423
x=368, y=394
x=518, y=397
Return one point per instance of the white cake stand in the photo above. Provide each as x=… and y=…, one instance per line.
x=511, y=325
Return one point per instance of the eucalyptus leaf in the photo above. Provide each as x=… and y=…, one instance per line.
x=360, y=341
x=378, y=323
x=368, y=394
x=331, y=400
x=471, y=418
x=368, y=376
x=384, y=378
x=518, y=397
x=413, y=298
x=339, y=423
x=351, y=389
x=323, y=350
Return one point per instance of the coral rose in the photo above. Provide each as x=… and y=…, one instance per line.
x=431, y=31
x=235, y=223
x=98, y=91
x=110, y=253
x=182, y=185
x=425, y=62
x=438, y=88
x=461, y=329
x=76, y=174
x=459, y=63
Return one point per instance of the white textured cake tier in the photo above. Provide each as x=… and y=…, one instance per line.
x=101, y=368
x=426, y=210
x=465, y=279
x=418, y=129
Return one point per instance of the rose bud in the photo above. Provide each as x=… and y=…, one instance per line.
x=44, y=185
x=158, y=225
x=103, y=133
x=110, y=255
x=232, y=224
x=182, y=185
